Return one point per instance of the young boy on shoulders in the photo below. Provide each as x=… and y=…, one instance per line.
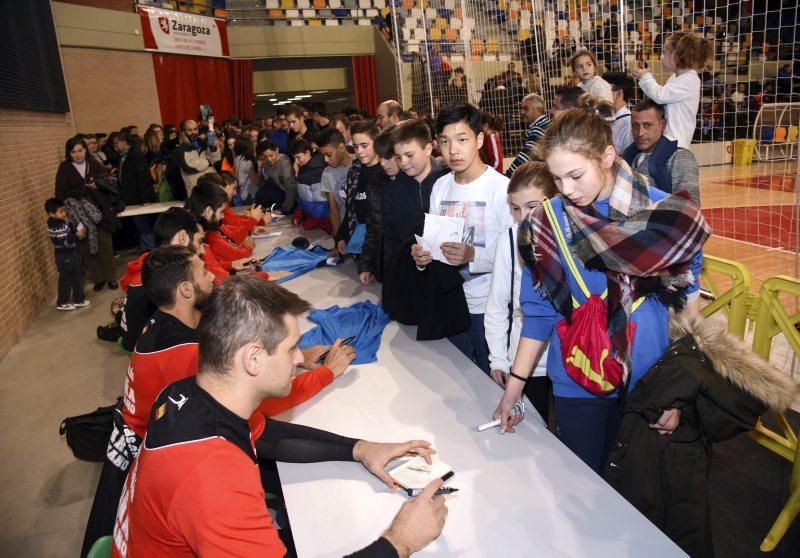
x=477, y=193
x=406, y=202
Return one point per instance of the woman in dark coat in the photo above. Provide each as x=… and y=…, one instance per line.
x=91, y=198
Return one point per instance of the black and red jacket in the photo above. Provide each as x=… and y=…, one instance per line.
x=138, y=308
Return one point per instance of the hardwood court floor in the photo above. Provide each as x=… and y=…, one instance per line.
x=753, y=211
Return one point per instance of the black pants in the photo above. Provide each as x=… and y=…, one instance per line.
x=70, y=278
x=588, y=426
x=123, y=447
x=101, y=265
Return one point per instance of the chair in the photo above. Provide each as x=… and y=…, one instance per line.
x=780, y=134
x=101, y=548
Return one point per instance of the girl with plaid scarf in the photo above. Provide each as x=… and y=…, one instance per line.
x=638, y=246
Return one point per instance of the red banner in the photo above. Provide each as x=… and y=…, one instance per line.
x=182, y=33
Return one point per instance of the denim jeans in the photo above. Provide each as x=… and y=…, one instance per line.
x=70, y=278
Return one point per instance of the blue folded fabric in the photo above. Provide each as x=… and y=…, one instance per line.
x=298, y=262
x=356, y=242
x=363, y=320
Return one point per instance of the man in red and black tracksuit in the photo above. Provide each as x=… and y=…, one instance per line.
x=195, y=487
x=174, y=227
x=167, y=352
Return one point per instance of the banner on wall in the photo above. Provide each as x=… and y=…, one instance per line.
x=182, y=33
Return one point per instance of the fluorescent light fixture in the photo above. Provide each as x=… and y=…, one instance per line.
x=303, y=96
x=316, y=92
x=273, y=100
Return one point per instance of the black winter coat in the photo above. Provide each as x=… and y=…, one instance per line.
x=404, y=205
x=135, y=183
x=721, y=388
x=432, y=299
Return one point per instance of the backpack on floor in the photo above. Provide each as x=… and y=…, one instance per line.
x=88, y=435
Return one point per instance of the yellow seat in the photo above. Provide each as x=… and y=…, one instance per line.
x=794, y=131
x=441, y=23
x=524, y=34
x=435, y=34
x=315, y=22
x=287, y=4
x=492, y=46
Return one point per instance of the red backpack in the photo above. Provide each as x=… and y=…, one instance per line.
x=585, y=344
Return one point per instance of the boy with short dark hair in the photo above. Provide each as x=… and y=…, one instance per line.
x=278, y=184
x=475, y=192
x=68, y=261
x=364, y=191
x=404, y=204
x=312, y=205
x=331, y=143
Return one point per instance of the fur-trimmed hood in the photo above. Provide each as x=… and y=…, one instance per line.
x=736, y=362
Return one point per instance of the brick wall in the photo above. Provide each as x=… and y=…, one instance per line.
x=109, y=89
x=31, y=147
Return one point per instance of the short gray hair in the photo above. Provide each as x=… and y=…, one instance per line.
x=536, y=100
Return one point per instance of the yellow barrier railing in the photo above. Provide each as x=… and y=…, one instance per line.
x=732, y=302
x=773, y=319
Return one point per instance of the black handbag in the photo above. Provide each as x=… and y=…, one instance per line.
x=88, y=435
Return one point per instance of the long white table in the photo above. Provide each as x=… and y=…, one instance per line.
x=157, y=207
x=522, y=494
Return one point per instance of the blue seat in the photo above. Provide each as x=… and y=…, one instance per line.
x=767, y=134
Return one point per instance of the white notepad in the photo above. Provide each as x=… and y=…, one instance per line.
x=416, y=473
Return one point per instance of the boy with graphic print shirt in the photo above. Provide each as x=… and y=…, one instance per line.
x=477, y=193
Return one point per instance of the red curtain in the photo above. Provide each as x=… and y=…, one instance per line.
x=365, y=83
x=242, y=88
x=186, y=82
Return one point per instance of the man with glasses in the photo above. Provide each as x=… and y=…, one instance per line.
x=388, y=114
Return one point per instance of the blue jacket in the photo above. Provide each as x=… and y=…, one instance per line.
x=651, y=318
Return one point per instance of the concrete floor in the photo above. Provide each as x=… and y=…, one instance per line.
x=58, y=369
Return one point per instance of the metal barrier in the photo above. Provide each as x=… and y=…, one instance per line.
x=732, y=302
x=773, y=319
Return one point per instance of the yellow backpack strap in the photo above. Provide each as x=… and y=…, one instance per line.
x=573, y=267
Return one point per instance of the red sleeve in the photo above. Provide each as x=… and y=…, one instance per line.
x=224, y=249
x=304, y=387
x=216, y=267
x=235, y=231
x=219, y=509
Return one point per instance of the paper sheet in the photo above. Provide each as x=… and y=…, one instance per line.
x=439, y=229
x=416, y=473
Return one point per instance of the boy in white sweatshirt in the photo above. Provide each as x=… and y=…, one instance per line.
x=530, y=185
x=477, y=193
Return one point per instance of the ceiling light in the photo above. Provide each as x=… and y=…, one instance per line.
x=273, y=100
x=315, y=92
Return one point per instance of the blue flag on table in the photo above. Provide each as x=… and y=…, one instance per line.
x=294, y=260
x=363, y=320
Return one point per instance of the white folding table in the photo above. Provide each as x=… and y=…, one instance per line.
x=522, y=494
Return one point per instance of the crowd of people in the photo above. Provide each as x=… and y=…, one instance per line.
x=595, y=230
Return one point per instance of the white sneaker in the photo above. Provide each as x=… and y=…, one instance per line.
x=86, y=302
x=67, y=306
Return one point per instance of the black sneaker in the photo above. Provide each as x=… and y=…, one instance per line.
x=98, y=286
x=112, y=285
x=110, y=332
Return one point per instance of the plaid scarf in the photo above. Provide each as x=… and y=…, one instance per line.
x=643, y=248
